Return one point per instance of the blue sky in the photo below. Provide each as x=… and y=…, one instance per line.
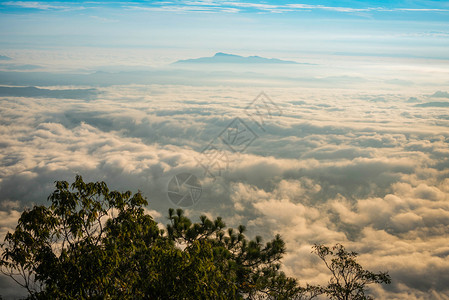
x=394, y=10
x=238, y=6
x=408, y=28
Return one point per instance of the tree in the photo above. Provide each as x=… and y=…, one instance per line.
x=93, y=243
x=349, y=279
x=66, y=250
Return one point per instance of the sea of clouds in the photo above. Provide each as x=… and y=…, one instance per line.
x=362, y=163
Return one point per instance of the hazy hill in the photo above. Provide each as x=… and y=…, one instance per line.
x=224, y=58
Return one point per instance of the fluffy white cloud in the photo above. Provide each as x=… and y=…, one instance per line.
x=335, y=167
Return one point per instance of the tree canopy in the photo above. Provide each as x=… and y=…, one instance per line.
x=93, y=243
x=349, y=279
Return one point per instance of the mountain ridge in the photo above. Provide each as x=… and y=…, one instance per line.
x=226, y=58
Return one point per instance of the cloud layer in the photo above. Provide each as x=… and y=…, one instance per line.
x=362, y=167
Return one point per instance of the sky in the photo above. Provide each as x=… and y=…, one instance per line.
x=352, y=146
x=197, y=28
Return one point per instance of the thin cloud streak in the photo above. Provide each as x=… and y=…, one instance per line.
x=221, y=6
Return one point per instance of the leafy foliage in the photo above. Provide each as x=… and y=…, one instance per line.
x=92, y=243
x=67, y=250
x=348, y=279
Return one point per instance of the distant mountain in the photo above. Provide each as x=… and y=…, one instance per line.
x=224, y=58
x=10, y=66
x=440, y=94
x=433, y=104
x=31, y=91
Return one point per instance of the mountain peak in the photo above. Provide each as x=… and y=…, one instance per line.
x=226, y=58
x=223, y=54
